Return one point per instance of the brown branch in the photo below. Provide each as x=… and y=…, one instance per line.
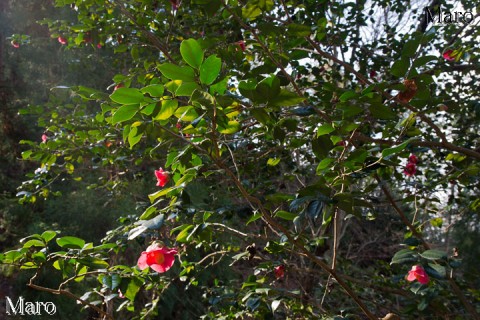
x=400, y=212
x=432, y=144
x=146, y=33
x=70, y=295
x=347, y=67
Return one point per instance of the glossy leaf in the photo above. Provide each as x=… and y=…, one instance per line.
x=125, y=113
x=191, y=53
x=400, y=67
x=127, y=96
x=71, y=242
x=210, y=69
x=167, y=110
x=174, y=72
x=434, y=254
x=404, y=256
x=155, y=90
x=286, y=99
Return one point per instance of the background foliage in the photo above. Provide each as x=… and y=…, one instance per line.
x=287, y=129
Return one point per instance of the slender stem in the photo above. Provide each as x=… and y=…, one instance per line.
x=70, y=295
x=400, y=212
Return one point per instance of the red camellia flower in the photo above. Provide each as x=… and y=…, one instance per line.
x=418, y=273
x=157, y=257
x=15, y=44
x=413, y=159
x=241, y=44
x=279, y=271
x=410, y=169
x=449, y=55
x=44, y=137
x=162, y=177
x=62, y=40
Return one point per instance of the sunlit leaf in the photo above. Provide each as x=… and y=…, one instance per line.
x=192, y=53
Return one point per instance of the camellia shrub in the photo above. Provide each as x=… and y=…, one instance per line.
x=309, y=160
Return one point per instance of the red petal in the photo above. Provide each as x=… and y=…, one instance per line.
x=142, y=261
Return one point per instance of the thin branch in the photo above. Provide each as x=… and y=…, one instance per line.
x=211, y=255
x=400, y=212
x=148, y=34
x=70, y=295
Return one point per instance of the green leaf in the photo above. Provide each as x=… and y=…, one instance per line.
x=298, y=30
x=149, y=213
x=174, y=72
x=34, y=243
x=324, y=164
x=210, y=69
x=182, y=236
x=390, y=151
x=232, y=127
x=13, y=255
x=410, y=48
x=382, y=112
x=202, y=99
x=436, y=222
x=268, y=89
x=160, y=193
x=273, y=161
x=254, y=217
x=261, y=115
x=247, y=89
x=48, y=235
x=191, y=52
x=424, y=60
x=325, y=129
x=348, y=95
x=286, y=215
x=125, y=113
x=286, y=99
x=71, y=242
x=434, y=254
x=167, y=110
x=186, y=113
x=435, y=270
x=127, y=96
x=186, y=89
x=400, y=67
x=133, y=288
x=111, y=281
x=251, y=11
x=403, y=256
x=93, y=263
x=134, y=136
x=155, y=90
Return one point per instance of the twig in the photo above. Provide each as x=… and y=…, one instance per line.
x=70, y=295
